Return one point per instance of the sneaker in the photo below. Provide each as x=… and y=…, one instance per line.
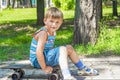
x=88, y=72
x=70, y=78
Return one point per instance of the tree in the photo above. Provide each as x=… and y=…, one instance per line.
x=28, y=3
x=8, y=3
x=114, y=7
x=99, y=10
x=31, y=3
x=13, y=5
x=40, y=12
x=86, y=28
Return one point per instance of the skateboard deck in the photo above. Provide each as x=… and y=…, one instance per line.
x=17, y=64
x=19, y=71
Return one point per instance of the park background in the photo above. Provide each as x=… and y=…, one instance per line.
x=18, y=23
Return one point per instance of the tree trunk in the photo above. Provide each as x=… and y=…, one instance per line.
x=115, y=8
x=99, y=10
x=31, y=4
x=8, y=3
x=13, y=5
x=86, y=27
x=24, y=3
x=40, y=12
x=28, y=4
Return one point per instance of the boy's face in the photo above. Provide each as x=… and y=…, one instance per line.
x=53, y=24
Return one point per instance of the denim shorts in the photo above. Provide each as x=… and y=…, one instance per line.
x=51, y=58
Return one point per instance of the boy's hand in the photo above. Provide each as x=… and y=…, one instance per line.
x=48, y=69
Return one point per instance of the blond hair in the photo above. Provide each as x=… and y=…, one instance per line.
x=54, y=13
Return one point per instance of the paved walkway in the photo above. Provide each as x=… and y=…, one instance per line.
x=108, y=67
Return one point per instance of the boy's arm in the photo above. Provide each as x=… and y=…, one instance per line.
x=39, y=52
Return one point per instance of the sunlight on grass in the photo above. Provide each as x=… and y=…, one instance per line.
x=108, y=41
x=18, y=15
x=17, y=26
x=109, y=38
x=68, y=14
x=108, y=10
x=64, y=36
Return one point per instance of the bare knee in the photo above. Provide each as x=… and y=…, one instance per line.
x=69, y=49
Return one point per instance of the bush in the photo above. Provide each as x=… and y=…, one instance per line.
x=67, y=4
x=64, y=4
x=57, y=3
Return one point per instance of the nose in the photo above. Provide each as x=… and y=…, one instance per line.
x=54, y=24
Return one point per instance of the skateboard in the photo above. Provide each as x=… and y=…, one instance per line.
x=56, y=74
x=19, y=71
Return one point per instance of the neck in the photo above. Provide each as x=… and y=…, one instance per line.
x=49, y=32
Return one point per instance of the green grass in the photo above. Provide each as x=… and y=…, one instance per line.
x=25, y=15
x=108, y=10
x=108, y=43
x=109, y=38
x=17, y=25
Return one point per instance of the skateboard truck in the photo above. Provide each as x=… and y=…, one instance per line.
x=56, y=74
x=19, y=73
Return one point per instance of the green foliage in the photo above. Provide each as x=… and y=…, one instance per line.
x=57, y=3
x=15, y=35
x=16, y=30
x=67, y=4
x=108, y=41
x=64, y=4
x=109, y=37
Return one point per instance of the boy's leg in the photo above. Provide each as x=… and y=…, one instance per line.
x=75, y=59
x=64, y=64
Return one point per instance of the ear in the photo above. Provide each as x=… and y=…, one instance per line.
x=44, y=20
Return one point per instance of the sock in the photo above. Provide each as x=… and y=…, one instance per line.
x=80, y=65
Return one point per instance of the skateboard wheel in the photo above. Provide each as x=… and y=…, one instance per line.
x=53, y=77
x=15, y=76
x=22, y=73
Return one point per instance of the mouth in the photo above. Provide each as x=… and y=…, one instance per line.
x=52, y=27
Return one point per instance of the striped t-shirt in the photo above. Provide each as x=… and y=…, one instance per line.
x=48, y=45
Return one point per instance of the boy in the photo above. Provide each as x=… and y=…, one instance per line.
x=43, y=54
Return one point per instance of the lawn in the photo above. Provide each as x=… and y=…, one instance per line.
x=17, y=25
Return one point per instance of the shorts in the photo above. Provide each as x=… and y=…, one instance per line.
x=51, y=58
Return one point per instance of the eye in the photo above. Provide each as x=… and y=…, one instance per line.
x=57, y=22
x=51, y=21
